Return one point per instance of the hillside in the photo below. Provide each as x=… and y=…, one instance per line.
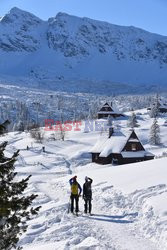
x=69, y=53
x=129, y=201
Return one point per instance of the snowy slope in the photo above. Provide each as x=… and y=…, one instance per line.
x=72, y=51
x=129, y=201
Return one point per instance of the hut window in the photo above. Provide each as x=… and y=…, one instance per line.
x=134, y=147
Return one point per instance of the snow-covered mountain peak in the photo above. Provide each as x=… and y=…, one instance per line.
x=74, y=48
x=17, y=15
x=63, y=15
x=18, y=12
x=20, y=31
x=66, y=21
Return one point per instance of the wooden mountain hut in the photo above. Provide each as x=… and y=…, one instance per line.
x=120, y=149
x=107, y=110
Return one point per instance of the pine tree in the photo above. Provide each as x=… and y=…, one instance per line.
x=155, y=133
x=109, y=121
x=132, y=122
x=15, y=208
x=154, y=111
x=3, y=127
x=155, y=108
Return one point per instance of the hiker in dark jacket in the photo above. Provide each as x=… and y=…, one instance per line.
x=87, y=194
x=75, y=193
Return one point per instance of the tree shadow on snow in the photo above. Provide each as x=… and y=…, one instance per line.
x=114, y=218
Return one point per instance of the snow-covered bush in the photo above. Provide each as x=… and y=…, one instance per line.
x=37, y=134
x=132, y=122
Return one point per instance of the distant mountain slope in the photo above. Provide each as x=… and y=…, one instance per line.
x=73, y=53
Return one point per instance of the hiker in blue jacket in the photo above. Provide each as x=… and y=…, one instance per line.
x=75, y=193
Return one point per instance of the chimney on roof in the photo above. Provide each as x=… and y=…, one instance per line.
x=111, y=131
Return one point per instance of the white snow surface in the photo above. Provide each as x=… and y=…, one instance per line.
x=126, y=154
x=129, y=201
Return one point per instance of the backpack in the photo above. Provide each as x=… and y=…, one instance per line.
x=88, y=187
x=74, y=188
x=87, y=190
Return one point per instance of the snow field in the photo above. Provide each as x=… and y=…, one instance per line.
x=129, y=201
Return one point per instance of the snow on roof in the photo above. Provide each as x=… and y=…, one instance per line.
x=133, y=140
x=108, y=112
x=98, y=147
x=114, y=144
x=134, y=154
x=106, y=105
x=106, y=146
x=113, y=107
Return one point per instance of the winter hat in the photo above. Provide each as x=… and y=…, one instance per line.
x=86, y=178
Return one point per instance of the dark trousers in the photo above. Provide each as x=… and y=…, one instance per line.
x=88, y=204
x=76, y=198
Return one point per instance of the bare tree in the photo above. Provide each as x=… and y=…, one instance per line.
x=62, y=130
x=37, y=134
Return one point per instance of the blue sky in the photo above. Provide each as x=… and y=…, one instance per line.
x=147, y=14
